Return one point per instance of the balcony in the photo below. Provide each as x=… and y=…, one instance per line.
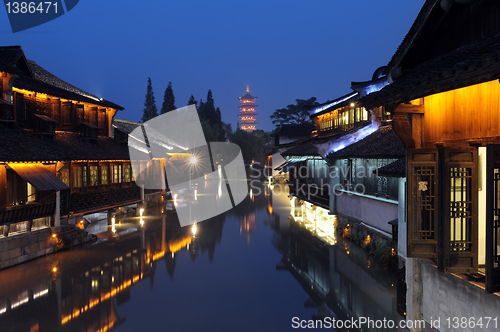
x=24, y=212
x=105, y=198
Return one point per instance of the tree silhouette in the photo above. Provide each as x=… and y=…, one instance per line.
x=150, y=111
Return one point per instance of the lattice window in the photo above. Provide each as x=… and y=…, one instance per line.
x=461, y=209
x=425, y=203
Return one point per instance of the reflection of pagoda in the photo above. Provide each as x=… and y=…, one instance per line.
x=247, y=113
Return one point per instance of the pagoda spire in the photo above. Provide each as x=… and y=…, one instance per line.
x=247, y=114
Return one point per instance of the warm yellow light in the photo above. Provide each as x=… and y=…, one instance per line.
x=196, y=194
x=81, y=221
x=54, y=269
x=113, y=221
x=142, y=222
x=175, y=199
x=194, y=229
x=193, y=160
x=142, y=211
x=53, y=235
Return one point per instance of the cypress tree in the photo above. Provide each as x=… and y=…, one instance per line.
x=168, y=100
x=192, y=101
x=150, y=111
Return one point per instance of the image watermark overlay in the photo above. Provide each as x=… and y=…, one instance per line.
x=25, y=15
x=336, y=180
x=204, y=178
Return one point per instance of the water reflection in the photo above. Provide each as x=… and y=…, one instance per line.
x=341, y=279
x=104, y=286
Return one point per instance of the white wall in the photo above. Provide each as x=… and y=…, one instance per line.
x=373, y=211
x=402, y=218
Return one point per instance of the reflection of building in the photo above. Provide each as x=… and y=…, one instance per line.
x=342, y=280
x=85, y=296
x=444, y=99
x=247, y=225
x=247, y=114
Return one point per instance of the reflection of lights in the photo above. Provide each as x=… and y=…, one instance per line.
x=3, y=310
x=53, y=235
x=175, y=199
x=141, y=212
x=41, y=293
x=348, y=252
x=173, y=254
x=142, y=222
x=113, y=228
x=113, y=221
x=187, y=246
x=194, y=229
x=196, y=194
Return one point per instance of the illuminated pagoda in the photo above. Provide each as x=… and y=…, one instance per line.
x=247, y=113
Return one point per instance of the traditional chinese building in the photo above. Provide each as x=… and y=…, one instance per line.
x=247, y=114
x=58, y=159
x=444, y=98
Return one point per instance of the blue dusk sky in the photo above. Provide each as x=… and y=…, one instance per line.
x=283, y=50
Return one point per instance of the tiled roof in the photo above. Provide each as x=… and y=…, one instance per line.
x=20, y=145
x=295, y=130
x=383, y=143
x=9, y=57
x=125, y=125
x=468, y=65
x=23, y=146
x=76, y=148
x=247, y=96
x=45, y=82
x=396, y=169
x=306, y=148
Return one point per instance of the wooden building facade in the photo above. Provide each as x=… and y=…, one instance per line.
x=58, y=158
x=444, y=97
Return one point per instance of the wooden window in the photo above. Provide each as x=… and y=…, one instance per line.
x=79, y=176
x=104, y=174
x=422, y=198
x=66, y=113
x=117, y=173
x=460, y=246
x=64, y=174
x=126, y=173
x=93, y=175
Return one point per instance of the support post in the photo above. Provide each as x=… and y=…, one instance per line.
x=57, y=212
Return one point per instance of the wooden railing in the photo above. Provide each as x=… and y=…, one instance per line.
x=310, y=192
x=81, y=202
x=28, y=211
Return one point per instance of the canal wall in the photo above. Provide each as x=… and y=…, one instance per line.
x=19, y=248
x=433, y=295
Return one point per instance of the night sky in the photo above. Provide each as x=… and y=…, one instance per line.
x=282, y=49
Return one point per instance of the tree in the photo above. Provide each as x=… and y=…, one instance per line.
x=168, y=100
x=150, y=111
x=254, y=145
x=192, y=101
x=294, y=114
x=211, y=120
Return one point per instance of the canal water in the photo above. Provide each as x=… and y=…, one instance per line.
x=254, y=268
